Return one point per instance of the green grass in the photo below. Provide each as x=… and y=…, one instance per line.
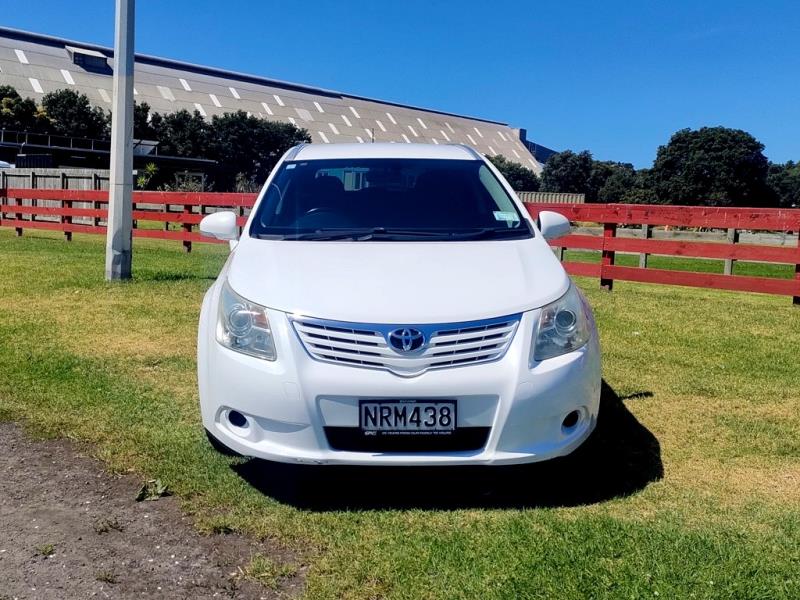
x=690, y=489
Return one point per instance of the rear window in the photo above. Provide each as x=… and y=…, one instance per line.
x=387, y=199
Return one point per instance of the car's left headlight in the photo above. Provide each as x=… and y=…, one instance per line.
x=564, y=326
x=243, y=326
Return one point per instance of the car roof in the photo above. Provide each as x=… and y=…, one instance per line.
x=383, y=150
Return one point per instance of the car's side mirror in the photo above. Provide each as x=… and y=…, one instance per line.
x=220, y=225
x=553, y=225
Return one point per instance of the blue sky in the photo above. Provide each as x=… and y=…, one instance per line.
x=616, y=78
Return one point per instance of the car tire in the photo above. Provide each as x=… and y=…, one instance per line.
x=219, y=446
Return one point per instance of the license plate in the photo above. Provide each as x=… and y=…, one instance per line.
x=402, y=417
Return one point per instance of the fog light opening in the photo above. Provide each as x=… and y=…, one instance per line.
x=237, y=419
x=571, y=419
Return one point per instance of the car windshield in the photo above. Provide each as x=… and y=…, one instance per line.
x=390, y=199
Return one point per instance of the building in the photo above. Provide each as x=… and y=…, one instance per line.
x=36, y=64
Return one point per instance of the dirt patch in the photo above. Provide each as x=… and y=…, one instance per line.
x=69, y=529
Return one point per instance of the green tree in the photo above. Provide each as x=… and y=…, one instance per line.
x=182, y=134
x=620, y=180
x=521, y=178
x=70, y=113
x=142, y=129
x=246, y=144
x=784, y=182
x=567, y=172
x=715, y=166
x=20, y=114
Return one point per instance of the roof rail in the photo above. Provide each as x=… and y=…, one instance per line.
x=470, y=149
x=293, y=152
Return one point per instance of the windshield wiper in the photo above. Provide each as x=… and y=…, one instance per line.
x=485, y=233
x=363, y=234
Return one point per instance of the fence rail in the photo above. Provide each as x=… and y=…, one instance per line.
x=178, y=213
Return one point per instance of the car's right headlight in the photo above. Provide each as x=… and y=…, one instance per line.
x=243, y=326
x=564, y=326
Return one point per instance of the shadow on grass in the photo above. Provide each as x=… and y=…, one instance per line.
x=621, y=457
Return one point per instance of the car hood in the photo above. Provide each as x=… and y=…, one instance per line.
x=397, y=282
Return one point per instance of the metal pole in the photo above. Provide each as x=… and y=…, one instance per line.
x=120, y=225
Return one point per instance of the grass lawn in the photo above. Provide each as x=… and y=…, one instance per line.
x=691, y=487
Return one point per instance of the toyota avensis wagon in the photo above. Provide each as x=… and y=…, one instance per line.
x=394, y=304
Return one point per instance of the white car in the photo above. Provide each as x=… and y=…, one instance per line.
x=394, y=304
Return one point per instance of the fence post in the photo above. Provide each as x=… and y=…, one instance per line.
x=4, y=187
x=96, y=205
x=34, y=201
x=187, y=227
x=733, y=238
x=66, y=220
x=607, y=259
x=647, y=233
x=796, y=299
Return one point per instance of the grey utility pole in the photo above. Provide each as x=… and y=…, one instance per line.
x=120, y=223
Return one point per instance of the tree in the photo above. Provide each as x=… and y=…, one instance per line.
x=142, y=129
x=18, y=114
x=784, y=182
x=716, y=166
x=246, y=144
x=182, y=133
x=521, y=178
x=621, y=179
x=70, y=113
x=567, y=172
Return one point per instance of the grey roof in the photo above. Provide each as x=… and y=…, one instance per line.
x=37, y=64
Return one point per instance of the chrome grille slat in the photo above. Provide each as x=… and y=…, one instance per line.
x=366, y=345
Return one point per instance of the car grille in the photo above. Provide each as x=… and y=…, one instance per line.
x=445, y=345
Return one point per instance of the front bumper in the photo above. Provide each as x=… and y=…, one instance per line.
x=293, y=404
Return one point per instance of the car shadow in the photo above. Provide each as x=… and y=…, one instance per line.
x=620, y=458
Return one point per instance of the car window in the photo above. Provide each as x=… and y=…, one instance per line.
x=387, y=199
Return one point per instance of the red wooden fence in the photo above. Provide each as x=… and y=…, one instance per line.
x=56, y=210
x=732, y=219
x=23, y=209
